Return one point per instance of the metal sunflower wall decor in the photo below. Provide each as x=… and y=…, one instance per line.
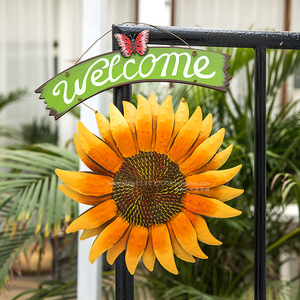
x=154, y=178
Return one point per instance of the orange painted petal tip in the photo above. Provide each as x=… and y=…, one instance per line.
x=238, y=168
x=150, y=268
x=141, y=98
x=168, y=99
x=241, y=191
x=131, y=270
x=142, y=102
x=152, y=99
x=209, y=119
x=68, y=229
x=92, y=260
x=238, y=212
x=60, y=172
x=110, y=262
x=113, y=108
x=62, y=187
x=80, y=124
x=128, y=104
x=233, y=213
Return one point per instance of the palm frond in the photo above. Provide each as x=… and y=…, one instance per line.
x=30, y=202
x=10, y=250
x=11, y=97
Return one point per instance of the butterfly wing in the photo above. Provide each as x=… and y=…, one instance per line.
x=141, y=42
x=125, y=44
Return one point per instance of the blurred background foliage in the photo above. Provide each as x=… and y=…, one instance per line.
x=32, y=209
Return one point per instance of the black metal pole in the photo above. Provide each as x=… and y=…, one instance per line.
x=123, y=279
x=197, y=36
x=260, y=41
x=260, y=174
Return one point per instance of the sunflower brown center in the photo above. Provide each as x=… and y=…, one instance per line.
x=148, y=189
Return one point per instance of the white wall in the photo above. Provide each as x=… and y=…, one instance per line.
x=28, y=30
x=233, y=14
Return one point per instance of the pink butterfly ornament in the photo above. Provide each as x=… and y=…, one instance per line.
x=137, y=45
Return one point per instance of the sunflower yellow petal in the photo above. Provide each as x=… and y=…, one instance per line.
x=186, y=235
x=143, y=124
x=121, y=132
x=165, y=124
x=186, y=136
x=204, y=134
x=178, y=250
x=149, y=255
x=136, y=245
x=117, y=248
x=108, y=237
x=89, y=200
x=98, y=151
x=92, y=165
x=222, y=192
x=129, y=115
x=202, y=231
x=105, y=132
x=216, y=162
x=86, y=183
x=209, y=207
x=94, y=217
x=181, y=117
x=203, y=153
x=154, y=110
x=211, y=179
x=163, y=248
x=88, y=233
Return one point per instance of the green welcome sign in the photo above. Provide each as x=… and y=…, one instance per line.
x=103, y=72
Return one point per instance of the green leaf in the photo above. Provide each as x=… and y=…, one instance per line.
x=12, y=209
x=51, y=205
x=12, y=251
x=58, y=211
x=34, y=200
x=12, y=96
x=42, y=205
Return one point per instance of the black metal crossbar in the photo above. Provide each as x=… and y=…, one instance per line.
x=260, y=41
